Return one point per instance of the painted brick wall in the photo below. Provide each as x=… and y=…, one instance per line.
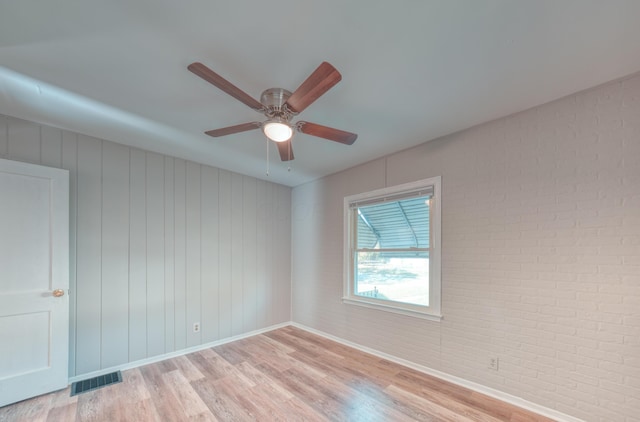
x=541, y=254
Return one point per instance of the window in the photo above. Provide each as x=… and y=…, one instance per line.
x=392, y=248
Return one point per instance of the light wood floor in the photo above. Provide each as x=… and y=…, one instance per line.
x=284, y=375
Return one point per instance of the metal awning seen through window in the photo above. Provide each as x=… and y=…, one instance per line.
x=401, y=223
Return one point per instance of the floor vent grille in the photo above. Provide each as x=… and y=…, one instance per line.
x=95, y=383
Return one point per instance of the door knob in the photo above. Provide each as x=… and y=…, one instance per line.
x=58, y=293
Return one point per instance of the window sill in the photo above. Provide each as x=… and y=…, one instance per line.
x=392, y=309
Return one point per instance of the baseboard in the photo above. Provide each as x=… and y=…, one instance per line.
x=491, y=392
x=158, y=358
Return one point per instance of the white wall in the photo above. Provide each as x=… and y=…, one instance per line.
x=158, y=243
x=541, y=254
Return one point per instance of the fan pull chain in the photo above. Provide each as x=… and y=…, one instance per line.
x=267, y=158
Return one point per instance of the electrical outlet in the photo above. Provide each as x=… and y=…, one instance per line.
x=494, y=362
x=196, y=327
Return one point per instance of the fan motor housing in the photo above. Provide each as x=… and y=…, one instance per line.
x=273, y=99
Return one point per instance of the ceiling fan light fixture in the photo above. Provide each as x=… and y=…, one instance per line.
x=277, y=131
x=279, y=107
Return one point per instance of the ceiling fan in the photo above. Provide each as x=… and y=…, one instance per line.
x=280, y=107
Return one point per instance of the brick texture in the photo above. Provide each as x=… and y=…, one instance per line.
x=540, y=259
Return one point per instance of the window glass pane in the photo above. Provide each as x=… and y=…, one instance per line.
x=397, y=224
x=401, y=276
x=367, y=238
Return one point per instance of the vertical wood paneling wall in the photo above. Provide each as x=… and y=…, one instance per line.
x=157, y=244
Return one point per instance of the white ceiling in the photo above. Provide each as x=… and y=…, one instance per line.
x=411, y=70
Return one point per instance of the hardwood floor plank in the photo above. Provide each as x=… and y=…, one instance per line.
x=163, y=395
x=439, y=398
x=32, y=410
x=233, y=353
x=263, y=348
x=240, y=393
x=306, y=390
x=266, y=342
x=93, y=405
x=432, y=387
x=370, y=387
x=284, y=375
x=345, y=370
x=275, y=403
x=258, y=378
x=212, y=364
x=142, y=411
x=433, y=408
x=191, y=402
x=63, y=398
x=63, y=413
x=187, y=368
x=223, y=407
x=134, y=387
x=360, y=364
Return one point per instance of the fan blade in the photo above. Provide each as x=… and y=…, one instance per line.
x=285, y=150
x=326, y=132
x=319, y=82
x=233, y=129
x=221, y=83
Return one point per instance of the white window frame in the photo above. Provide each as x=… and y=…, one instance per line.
x=431, y=312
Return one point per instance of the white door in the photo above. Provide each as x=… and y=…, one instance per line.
x=34, y=280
